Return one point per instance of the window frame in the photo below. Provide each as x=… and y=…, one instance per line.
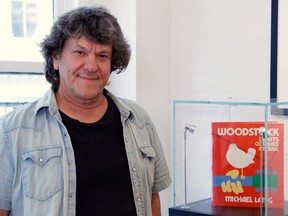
x=25, y=67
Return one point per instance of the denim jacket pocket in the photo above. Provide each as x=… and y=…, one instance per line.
x=42, y=174
x=148, y=165
x=148, y=152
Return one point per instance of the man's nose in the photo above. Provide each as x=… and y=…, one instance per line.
x=91, y=64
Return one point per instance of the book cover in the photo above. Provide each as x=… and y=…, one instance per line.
x=238, y=156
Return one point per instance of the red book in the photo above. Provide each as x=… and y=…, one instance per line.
x=238, y=156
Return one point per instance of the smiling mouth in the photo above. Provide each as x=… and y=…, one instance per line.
x=88, y=77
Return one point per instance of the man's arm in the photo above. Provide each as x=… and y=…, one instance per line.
x=3, y=212
x=156, y=206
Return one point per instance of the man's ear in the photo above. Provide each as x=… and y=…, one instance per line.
x=55, y=58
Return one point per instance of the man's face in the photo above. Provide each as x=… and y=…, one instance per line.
x=84, y=68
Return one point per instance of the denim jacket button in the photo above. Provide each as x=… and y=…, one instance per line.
x=40, y=160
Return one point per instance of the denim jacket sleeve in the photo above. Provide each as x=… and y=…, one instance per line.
x=149, y=144
x=6, y=170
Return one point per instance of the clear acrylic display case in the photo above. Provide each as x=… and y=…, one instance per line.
x=194, y=158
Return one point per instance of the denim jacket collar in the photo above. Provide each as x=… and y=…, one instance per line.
x=49, y=100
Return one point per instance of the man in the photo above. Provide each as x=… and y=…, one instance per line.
x=79, y=150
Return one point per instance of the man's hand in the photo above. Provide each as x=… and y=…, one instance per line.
x=3, y=212
x=156, y=207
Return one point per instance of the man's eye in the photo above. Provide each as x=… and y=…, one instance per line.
x=104, y=56
x=79, y=52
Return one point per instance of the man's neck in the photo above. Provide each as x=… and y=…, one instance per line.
x=89, y=112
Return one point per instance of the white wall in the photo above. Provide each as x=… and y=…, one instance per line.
x=220, y=49
x=199, y=49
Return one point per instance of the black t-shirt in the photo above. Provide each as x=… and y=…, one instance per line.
x=103, y=178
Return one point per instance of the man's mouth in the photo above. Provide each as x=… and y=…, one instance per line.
x=88, y=77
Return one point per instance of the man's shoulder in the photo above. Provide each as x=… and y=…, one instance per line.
x=132, y=106
x=136, y=111
x=21, y=116
x=130, y=103
x=24, y=109
x=130, y=109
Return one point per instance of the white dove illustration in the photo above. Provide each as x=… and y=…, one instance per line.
x=240, y=159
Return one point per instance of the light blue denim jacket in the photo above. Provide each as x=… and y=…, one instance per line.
x=37, y=166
